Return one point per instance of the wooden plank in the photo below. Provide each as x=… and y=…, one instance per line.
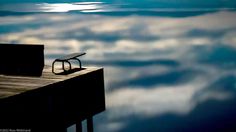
x=4, y=94
x=78, y=127
x=20, y=84
x=90, y=124
x=51, y=102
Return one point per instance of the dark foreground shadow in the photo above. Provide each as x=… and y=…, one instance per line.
x=70, y=71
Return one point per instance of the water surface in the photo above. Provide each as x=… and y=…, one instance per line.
x=168, y=66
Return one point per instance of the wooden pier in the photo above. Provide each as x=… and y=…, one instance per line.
x=51, y=103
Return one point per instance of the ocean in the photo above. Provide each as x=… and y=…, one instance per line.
x=169, y=66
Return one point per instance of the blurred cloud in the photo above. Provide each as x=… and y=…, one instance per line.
x=133, y=36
